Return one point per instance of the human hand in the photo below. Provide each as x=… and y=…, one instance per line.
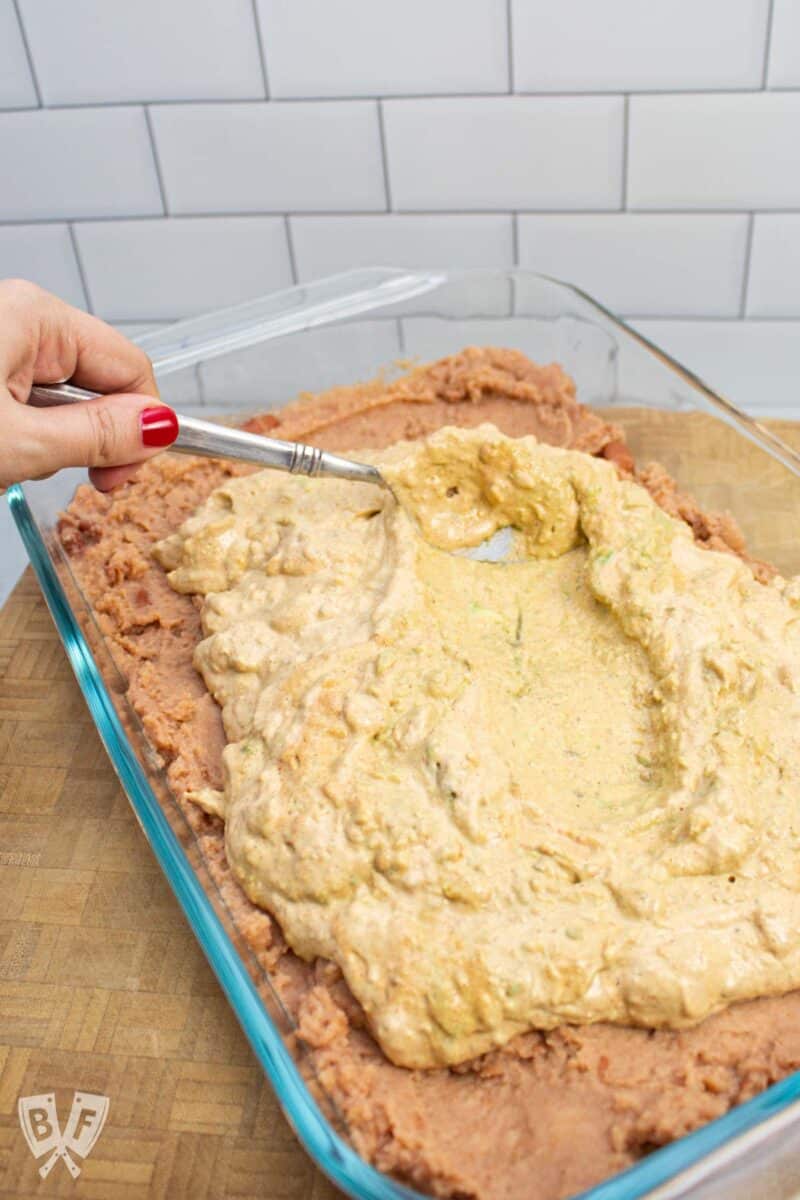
x=44, y=340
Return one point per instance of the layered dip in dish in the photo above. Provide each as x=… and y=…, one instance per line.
x=515, y=843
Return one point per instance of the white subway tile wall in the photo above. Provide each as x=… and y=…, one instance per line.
x=737, y=150
x=44, y=254
x=649, y=264
x=784, y=59
x=774, y=287
x=753, y=363
x=274, y=157
x=168, y=156
x=505, y=152
x=384, y=48
x=17, y=88
x=327, y=245
x=76, y=162
x=91, y=52
x=166, y=269
x=627, y=45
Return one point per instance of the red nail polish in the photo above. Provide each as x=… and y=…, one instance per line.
x=159, y=426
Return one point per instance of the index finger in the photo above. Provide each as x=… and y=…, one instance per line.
x=45, y=340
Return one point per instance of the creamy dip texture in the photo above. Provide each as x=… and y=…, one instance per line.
x=502, y=796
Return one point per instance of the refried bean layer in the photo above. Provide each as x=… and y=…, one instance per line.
x=505, y=1124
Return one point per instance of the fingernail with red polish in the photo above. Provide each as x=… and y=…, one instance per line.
x=159, y=426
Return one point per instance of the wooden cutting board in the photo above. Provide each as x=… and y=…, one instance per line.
x=103, y=988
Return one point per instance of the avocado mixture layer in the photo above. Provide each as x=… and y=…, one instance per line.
x=501, y=796
x=503, y=1123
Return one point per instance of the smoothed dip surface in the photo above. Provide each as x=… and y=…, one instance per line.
x=501, y=796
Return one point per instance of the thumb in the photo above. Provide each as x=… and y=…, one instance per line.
x=107, y=432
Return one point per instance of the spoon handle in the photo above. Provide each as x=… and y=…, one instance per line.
x=219, y=441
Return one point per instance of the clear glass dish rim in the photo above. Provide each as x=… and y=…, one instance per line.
x=689, y=1159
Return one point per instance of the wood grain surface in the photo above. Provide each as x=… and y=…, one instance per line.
x=102, y=986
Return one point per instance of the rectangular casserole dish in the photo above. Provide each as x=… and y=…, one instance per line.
x=352, y=327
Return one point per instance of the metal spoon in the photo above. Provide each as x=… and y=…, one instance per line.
x=219, y=441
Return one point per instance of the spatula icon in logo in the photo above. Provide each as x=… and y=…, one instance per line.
x=39, y=1121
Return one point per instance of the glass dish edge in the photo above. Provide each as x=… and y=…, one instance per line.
x=685, y=1161
x=692, y=1153
x=338, y=1160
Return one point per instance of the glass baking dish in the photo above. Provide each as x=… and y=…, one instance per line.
x=352, y=327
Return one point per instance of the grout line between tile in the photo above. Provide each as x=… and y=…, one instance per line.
x=261, y=51
x=625, y=150
x=81, y=269
x=767, y=44
x=28, y=54
x=290, y=243
x=673, y=317
x=156, y=161
x=198, y=378
x=510, y=47
x=159, y=321
x=608, y=94
x=748, y=254
x=515, y=238
x=276, y=214
x=384, y=158
x=705, y=318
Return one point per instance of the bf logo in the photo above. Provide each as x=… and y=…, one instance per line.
x=39, y=1121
